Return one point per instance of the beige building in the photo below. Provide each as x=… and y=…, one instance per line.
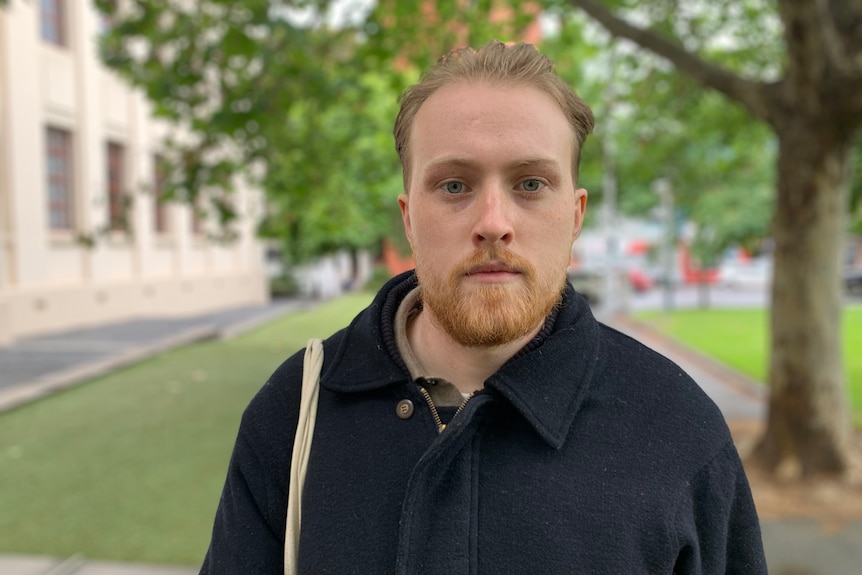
x=79, y=158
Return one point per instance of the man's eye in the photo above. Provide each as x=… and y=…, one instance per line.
x=532, y=185
x=454, y=187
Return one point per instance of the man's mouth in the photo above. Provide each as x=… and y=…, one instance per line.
x=492, y=271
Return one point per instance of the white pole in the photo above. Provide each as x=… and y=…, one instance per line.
x=664, y=190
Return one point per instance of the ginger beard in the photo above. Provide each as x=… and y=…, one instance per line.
x=489, y=315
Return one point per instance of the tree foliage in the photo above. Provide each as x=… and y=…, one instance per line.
x=334, y=178
x=664, y=125
x=275, y=92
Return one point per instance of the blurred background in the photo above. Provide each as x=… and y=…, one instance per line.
x=167, y=159
x=177, y=165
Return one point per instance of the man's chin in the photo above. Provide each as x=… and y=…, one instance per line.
x=490, y=317
x=488, y=314
x=488, y=340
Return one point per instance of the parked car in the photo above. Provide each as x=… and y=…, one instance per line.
x=639, y=279
x=589, y=283
x=753, y=273
x=632, y=271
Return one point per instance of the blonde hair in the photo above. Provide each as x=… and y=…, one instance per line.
x=495, y=63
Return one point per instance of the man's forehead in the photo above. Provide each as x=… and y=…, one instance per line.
x=465, y=101
x=507, y=125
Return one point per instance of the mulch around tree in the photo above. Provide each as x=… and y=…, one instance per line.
x=832, y=503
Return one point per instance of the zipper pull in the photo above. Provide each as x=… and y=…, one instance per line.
x=434, y=413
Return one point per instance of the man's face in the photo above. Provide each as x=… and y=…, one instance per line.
x=491, y=210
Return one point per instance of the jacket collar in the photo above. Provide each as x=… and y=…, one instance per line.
x=546, y=383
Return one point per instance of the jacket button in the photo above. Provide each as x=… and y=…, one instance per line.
x=404, y=409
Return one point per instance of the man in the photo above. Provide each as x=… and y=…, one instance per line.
x=476, y=418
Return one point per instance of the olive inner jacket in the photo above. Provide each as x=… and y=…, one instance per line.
x=585, y=453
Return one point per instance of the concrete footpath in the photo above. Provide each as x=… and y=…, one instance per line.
x=22, y=565
x=36, y=367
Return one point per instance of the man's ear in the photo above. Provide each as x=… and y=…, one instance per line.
x=580, y=210
x=404, y=204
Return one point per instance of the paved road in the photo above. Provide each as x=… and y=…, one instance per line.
x=33, y=367
x=793, y=547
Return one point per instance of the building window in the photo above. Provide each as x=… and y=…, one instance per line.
x=60, y=188
x=51, y=14
x=117, y=217
x=160, y=215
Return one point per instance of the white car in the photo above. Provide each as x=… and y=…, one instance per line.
x=753, y=273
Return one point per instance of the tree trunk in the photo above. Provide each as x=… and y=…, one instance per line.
x=808, y=425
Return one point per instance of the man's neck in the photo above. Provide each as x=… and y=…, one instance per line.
x=466, y=367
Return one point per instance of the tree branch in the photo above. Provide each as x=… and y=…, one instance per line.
x=846, y=58
x=756, y=97
x=824, y=56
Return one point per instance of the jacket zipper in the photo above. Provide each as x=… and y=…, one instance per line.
x=436, y=414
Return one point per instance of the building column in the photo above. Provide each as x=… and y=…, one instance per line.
x=5, y=216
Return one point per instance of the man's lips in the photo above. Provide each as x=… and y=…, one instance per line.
x=492, y=269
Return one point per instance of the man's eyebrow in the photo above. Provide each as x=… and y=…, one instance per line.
x=537, y=162
x=451, y=162
x=460, y=162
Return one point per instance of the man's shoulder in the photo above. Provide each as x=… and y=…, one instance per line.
x=629, y=358
x=657, y=390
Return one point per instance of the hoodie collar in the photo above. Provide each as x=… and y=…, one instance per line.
x=546, y=381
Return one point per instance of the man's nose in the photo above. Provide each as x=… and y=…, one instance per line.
x=493, y=218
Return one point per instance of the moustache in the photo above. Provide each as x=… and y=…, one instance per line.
x=494, y=257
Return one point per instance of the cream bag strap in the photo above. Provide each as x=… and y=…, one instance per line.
x=301, y=449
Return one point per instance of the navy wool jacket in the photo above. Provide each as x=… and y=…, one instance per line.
x=585, y=453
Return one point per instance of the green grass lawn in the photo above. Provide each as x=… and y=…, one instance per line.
x=130, y=466
x=739, y=339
